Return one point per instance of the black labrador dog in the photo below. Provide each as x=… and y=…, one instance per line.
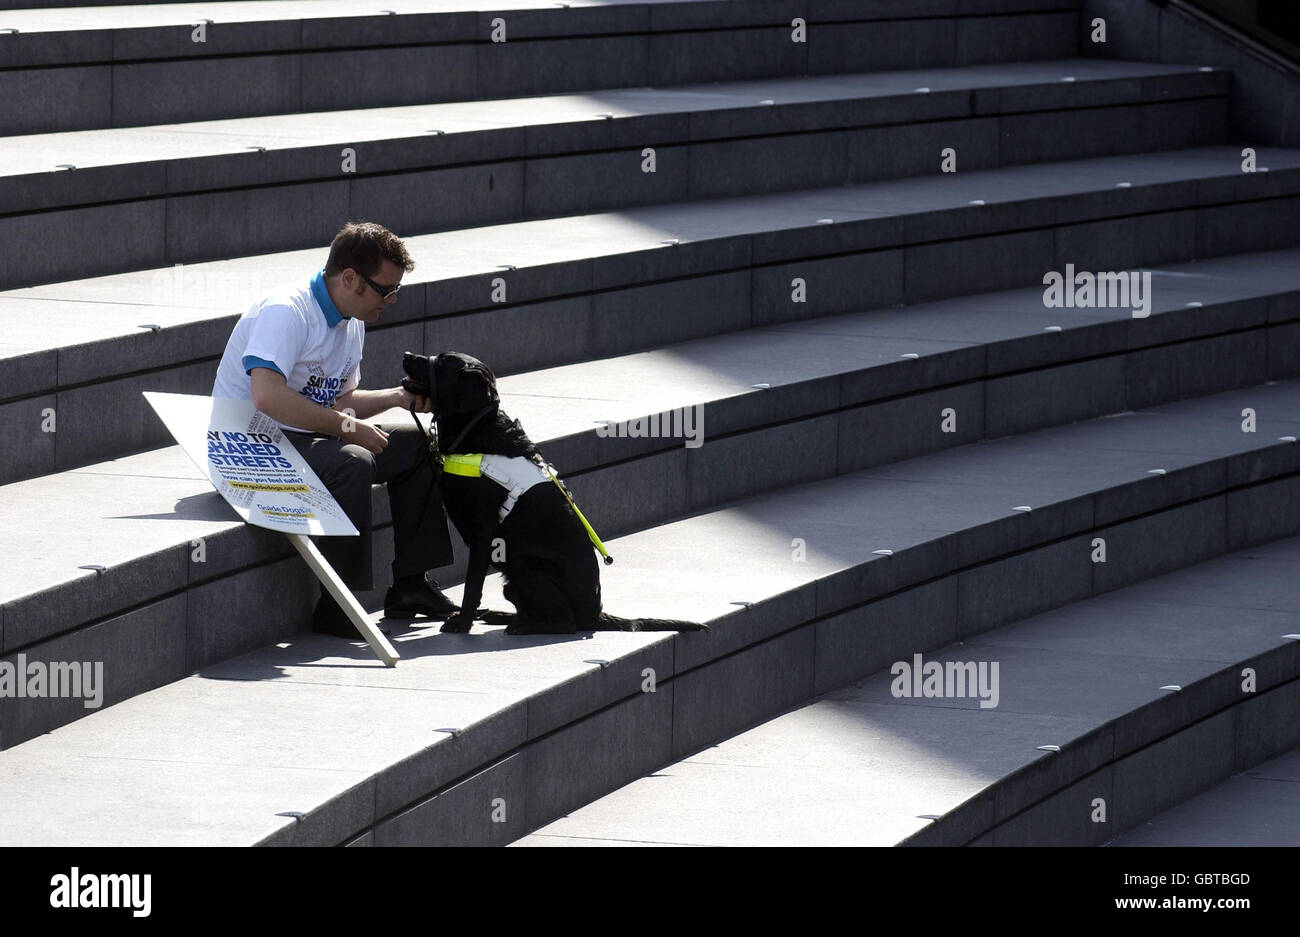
x=540, y=546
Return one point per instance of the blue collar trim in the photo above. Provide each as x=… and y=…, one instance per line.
x=322, y=294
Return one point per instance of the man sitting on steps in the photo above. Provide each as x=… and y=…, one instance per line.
x=297, y=355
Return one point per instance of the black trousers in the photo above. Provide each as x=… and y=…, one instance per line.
x=421, y=540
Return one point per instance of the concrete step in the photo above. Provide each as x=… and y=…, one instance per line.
x=806, y=400
x=1259, y=807
x=596, y=286
x=102, y=66
x=292, y=180
x=483, y=738
x=865, y=764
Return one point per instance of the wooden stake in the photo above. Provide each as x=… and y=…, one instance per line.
x=347, y=601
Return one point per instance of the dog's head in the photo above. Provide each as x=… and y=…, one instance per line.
x=458, y=385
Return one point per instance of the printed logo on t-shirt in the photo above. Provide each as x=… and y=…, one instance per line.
x=324, y=390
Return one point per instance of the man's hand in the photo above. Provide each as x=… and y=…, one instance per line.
x=421, y=404
x=359, y=433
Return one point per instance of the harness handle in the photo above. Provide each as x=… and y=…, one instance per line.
x=591, y=534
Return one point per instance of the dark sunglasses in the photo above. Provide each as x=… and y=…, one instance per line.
x=384, y=292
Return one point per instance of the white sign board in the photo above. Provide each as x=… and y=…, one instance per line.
x=252, y=464
x=266, y=480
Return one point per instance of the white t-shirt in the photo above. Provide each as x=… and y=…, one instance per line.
x=299, y=332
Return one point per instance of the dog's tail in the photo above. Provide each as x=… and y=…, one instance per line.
x=608, y=622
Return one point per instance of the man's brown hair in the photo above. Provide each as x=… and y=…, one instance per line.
x=364, y=246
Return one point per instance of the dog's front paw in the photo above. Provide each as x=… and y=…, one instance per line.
x=456, y=624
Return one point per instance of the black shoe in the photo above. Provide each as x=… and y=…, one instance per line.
x=421, y=598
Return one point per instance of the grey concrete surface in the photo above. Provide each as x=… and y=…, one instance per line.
x=485, y=810
x=1260, y=807
x=1264, y=725
x=624, y=245
x=1144, y=784
x=1142, y=548
x=265, y=706
x=857, y=765
x=996, y=593
x=580, y=47
x=1064, y=817
x=953, y=344
x=718, y=701
x=515, y=742
x=1266, y=94
x=864, y=774
x=861, y=639
x=493, y=192
x=720, y=373
x=176, y=159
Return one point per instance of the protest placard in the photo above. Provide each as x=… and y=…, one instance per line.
x=254, y=466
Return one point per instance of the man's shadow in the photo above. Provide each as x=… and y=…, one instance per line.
x=413, y=640
x=208, y=506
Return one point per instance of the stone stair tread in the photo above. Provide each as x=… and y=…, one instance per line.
x=1259, y=807
x=141, y=16
x=283, y=707
x=857, y=766
x=124, y=146
x=157, y=501
x=117, y=305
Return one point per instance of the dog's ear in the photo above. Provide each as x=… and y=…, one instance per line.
x=485, y=380
x=463, y=384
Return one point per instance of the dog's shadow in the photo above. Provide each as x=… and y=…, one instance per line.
x=489, y=628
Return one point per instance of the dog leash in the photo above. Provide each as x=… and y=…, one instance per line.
x=431, y=445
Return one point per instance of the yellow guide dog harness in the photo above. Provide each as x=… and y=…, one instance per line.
x=516, y=474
